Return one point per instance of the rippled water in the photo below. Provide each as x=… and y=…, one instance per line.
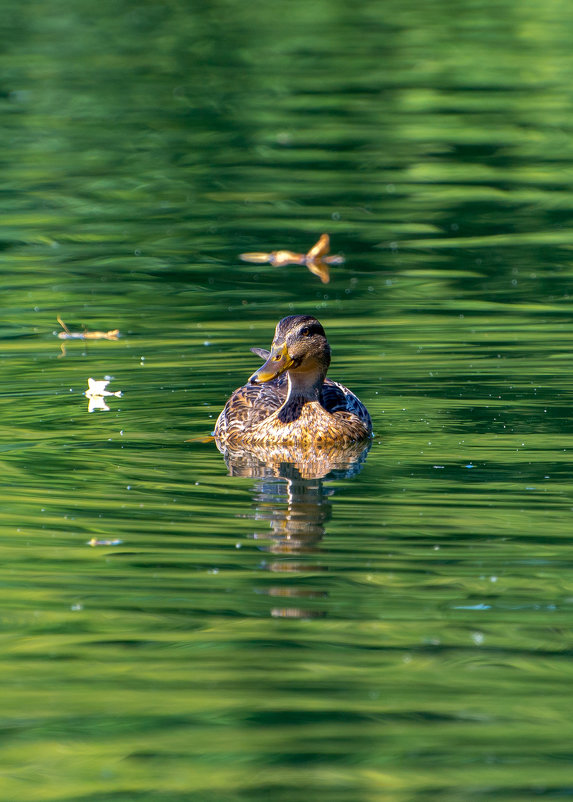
x=175, y=628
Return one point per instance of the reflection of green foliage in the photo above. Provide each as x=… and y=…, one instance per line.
x=144, y=146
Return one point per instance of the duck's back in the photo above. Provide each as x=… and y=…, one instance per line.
x=253, y=412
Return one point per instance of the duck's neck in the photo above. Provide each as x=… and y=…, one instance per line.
x=302, y=388
x=305, y=385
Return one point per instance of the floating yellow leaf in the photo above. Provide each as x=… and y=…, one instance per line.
x=316, y=259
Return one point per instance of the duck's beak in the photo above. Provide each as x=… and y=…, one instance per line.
x=277, y=363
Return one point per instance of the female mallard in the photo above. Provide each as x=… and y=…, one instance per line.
x=289, y=401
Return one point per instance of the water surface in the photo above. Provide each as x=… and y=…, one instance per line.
x=178, y=629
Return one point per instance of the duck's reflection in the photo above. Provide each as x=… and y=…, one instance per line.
x=292, y=494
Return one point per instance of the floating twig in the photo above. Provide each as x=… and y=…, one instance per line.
x=113, y=542
x=66, y=334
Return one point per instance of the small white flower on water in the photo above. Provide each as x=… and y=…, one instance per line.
x=96, y=393
x=97, y=402
x=96, y=389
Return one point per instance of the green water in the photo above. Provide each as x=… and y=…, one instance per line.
x=400, y=630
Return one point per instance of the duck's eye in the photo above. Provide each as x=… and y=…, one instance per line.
x=305, y=331
x=276, y=357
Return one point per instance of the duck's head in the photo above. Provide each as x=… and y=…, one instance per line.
x=299, y=347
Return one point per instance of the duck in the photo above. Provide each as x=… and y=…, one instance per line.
x=289, y=401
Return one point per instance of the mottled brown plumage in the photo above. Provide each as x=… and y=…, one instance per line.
x=289, y=401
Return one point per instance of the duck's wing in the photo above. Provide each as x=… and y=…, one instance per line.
x=249, y=405
x=333, y=397
x=262, y=352
x=252, y=403
x=336, y=397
